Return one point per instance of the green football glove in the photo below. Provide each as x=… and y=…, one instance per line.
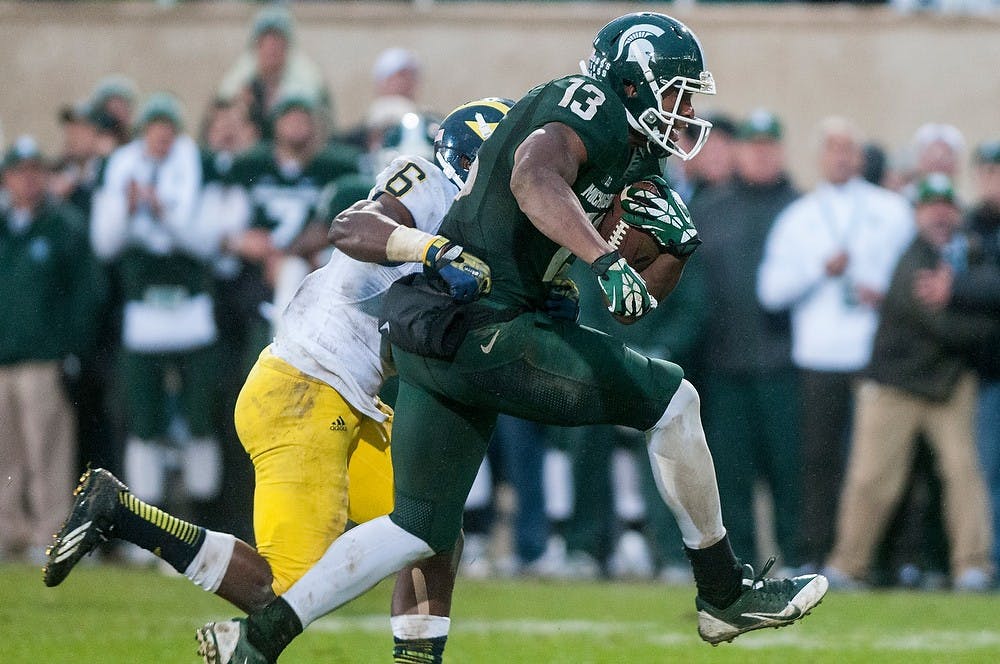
x=465, y=276
x=663, y=215
x=624, y=290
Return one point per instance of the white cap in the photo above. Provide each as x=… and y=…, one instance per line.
x=932, y=132
x=392, y=61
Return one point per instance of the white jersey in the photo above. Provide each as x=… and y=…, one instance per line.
x=330, y=328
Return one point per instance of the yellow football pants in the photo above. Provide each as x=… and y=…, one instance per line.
x=317, y=462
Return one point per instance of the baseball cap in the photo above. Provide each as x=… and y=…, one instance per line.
x=988, y=152
x=933, y=132
x=721, y=123
x=760, y=124
x=114, y=85
x=161, y=106
x=104, y=121
x=392, y=61
x=935, y=187
x=78, y=111
x=24, y=149
x=294, y=100
x=84, y=111
x=272, y=19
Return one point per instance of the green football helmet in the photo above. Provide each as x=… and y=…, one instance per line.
x=652, y=52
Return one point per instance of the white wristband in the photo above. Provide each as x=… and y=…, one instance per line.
x=407, y=245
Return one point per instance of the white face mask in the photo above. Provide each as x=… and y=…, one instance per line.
x=651, y=120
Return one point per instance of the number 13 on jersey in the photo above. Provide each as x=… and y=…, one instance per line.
x=584, y=104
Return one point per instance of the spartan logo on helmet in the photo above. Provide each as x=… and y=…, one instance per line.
x=640, y=49
x=641, y=56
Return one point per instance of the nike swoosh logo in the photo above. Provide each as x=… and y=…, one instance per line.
x=488, y=347
x=774, y=616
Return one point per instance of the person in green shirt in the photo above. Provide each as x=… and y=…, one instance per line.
x=274, y=232
x=52, y=288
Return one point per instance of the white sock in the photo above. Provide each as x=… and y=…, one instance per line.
x=212, y=560
x=355, y=562
x=418, y=626
x=684, y=471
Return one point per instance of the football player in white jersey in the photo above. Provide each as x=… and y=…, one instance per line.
x=309, y=415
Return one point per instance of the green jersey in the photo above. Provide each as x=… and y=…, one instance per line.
x=53, y=287
x=486, y=219
x=284, y=199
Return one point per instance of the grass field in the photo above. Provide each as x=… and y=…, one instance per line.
x=113, y=615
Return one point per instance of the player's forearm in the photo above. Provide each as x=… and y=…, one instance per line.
x=545, y=164
x=362, y=233
x=553, y=209
x=367, y=231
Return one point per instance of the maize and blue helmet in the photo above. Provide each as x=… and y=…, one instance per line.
x=462, y=133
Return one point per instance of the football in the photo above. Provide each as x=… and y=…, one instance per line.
x=636, y=246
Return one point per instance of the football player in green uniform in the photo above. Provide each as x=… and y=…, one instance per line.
x=540, y=182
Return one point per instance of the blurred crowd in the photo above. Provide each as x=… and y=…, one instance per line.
x=845, y=339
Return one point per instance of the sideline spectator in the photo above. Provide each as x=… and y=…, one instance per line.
x=87, y=140
x=144, y=218
x=273, y=68
x=914, y=551
x=939, y=149
x=52, y=291
x=278, y=239
x=76, y=171
x=396, y=81
x=977, y=288
x=227, y=132
x=396, y=73
x=919, y=381
x=829, y=258
x=115, y=96
x=750, y=386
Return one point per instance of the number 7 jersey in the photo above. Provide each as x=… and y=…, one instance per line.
x=486, y=219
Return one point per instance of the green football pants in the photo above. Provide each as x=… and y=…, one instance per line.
x=532, y=367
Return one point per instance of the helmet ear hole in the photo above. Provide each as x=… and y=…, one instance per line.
x=631, y=89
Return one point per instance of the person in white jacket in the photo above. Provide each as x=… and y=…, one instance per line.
x=144, y=220
x=828, y=260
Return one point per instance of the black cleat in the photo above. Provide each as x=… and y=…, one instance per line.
x=89, y=523
x=764, y=603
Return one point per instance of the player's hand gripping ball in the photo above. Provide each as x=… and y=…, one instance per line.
x=625, y=292
x=653, y=207
x=638, y=247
